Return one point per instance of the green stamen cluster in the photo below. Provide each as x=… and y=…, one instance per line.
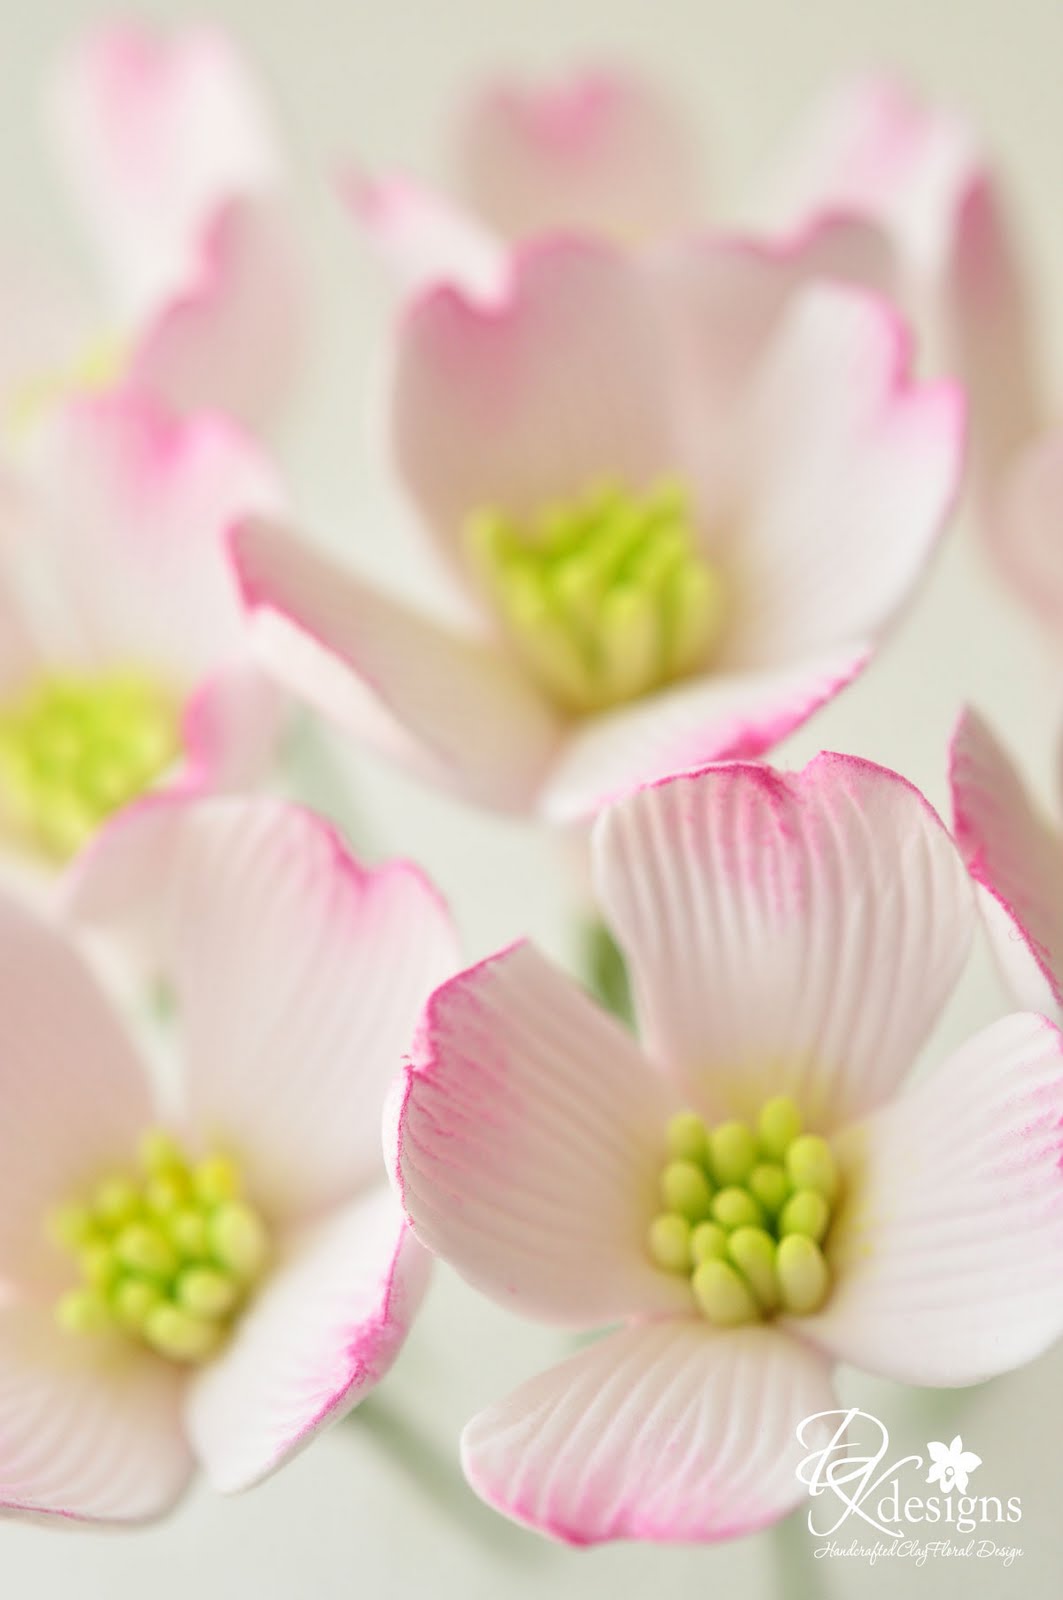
x=168, y=1255
x=746, y=1213
x=75, y=749
x=605, y=599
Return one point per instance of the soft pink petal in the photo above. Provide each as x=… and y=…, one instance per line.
x=848, y=470
x=73, y=1095
x=87, y=1430
x=916, y=168
x=154, y=132
x=535, y=399
x=321, y=1334
x=718, y=717
x=129, y=516
x=1017, y=858
x=1025, y=529
x=668, y=1431
x=603, y=153
x=529, y=1143
x=299, y=977
x=946, y=1252
x=451, y=707
x=424, y=238
x=233, y=337
x=45, y=323
x=787, y=933
x=232, y=729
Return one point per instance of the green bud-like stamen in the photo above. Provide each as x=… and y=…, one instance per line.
x=605, y=599
x=747, y=1211
x=169, y=1255
x=75, y=749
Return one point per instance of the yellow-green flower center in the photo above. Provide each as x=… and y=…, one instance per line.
x=167, y=1254
x=75, y=749
x=604, y=599
x=747, y=1212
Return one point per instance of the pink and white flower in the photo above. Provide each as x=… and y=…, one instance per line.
x=682, y=497
x=124, y=659
x=169, y=154
x=791, y=939
x=1014, y=853
x=297, y=977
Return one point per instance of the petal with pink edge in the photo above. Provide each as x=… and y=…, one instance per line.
x=946, y=1249
x=299, y=977
x=529, y=1142
x=533, y=400
x=233, y=336
x=424, y=238
x=715, y=718
x=154, y=132
x=88, y=1430
x=669, y=1431
x=602, y=153
x=847, y=471
x=74, y=1096
x=1017, y=859
x=232, y=729
x=787, y=933
x=1024, y=528
x=449, y=706
x=323, y=1331
x=129, y=527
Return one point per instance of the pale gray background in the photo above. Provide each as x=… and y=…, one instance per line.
x=379, y=78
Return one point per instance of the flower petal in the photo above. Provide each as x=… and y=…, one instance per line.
x=1023, y=528
x=787, y=933
x=129, y=520
x=874, y=149
x=299, y=976
x=232, y=729
x=424, y=238
x=321, y=1334
x=715, y=718
x=946, y=1251
x=529, y=1143
x=601, y=154
x=669, y=1431
x=452, y=707
x=154, y=132
x=233, y=336
x=74, y=1096
x=86, y=1431
x=1017, y=859
x=521, y=403
x=848, y=471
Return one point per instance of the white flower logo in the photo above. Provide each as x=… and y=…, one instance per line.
x=952, y=1464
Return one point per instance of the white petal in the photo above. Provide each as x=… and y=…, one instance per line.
x=323, y=1331
x=669, y=1432
x=946, y=1252
x=787, y=934
x=529, y=1144
x=86, y=1430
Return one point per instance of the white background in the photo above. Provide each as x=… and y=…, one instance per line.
x=380, y=81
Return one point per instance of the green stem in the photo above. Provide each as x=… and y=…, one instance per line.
x=605, y=971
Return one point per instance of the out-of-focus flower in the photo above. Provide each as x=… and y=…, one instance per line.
x=1015, y=855
x=683, y=500
x=210, y=1276
x=171, y=159
x=606, y=154
x=748, y=1192
x=124, y=658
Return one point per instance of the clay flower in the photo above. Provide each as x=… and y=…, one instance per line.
x=170, y=158
x=205, y=1276
x=746, y=1193
x=952, y=1465
x=123, y=661
x=1015, y=855
x=682, y=500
